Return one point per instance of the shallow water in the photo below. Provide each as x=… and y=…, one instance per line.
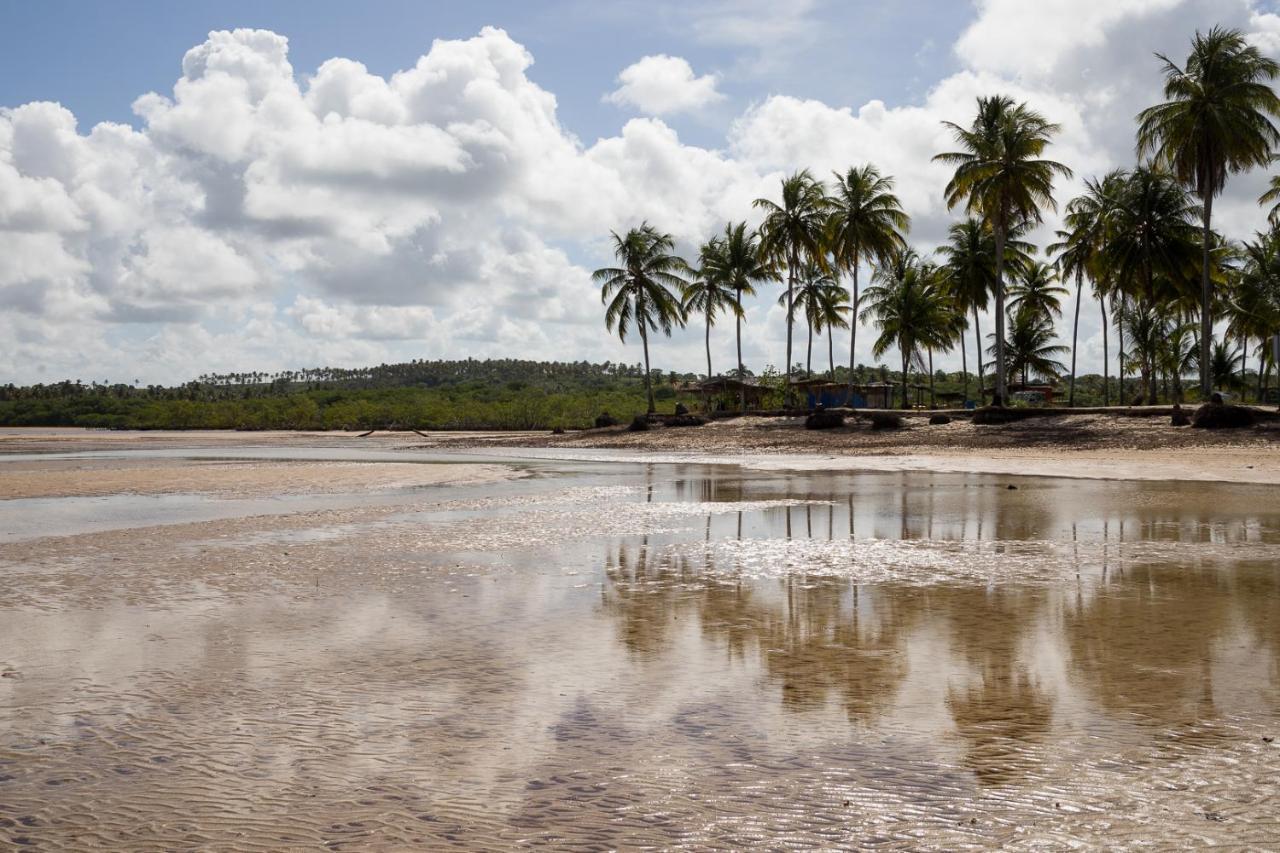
x=611, y=655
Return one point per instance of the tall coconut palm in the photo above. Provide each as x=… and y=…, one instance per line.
x=909, y=304
x=969, y=258
x=641, y=290
x=709, y=292
x=867, y=223
x=740, y=264
x=1001, y=175
x=793, y=233
x=1216, y=120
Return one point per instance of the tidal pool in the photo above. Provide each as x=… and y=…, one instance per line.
x=613, y=655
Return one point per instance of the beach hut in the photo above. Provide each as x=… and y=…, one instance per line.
x=721, y=393
x=830, y=395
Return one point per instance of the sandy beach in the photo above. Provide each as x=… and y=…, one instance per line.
x=282, y=641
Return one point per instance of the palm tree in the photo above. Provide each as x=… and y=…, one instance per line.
x=1222, y=365
x=1000, y=175
x=1179, y=353
x=1152, y=233
x=809, y=295
x=1215, y=121
x=907, y=300
x=1031, y=348
x=739, y=265
x=709, y=292
x=1253, y=307
x=641, y=291
x=793, y=233
x=1036, y=290
x=867, y=222
x=969, y=258
x=829, y=311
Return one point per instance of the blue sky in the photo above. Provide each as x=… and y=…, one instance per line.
x=279, y=206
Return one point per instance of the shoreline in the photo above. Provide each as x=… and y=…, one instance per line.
x=1090, y=447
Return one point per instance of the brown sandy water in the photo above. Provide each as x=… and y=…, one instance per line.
x=617, y=655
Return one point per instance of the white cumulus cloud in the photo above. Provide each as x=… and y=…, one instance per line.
x=663, y=84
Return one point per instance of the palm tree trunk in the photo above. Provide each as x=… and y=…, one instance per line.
x=853, y=329
x=1075, y=339
x=808, y=357
x=977, y=335
x=933, y=401
x=1262, y=352
x=831, y=351
x=1106, y=358
x=905, y=402
x=1120, y=354
x=964, y=367
x=1206, y=321
x=1002, y=387
x=742, y=390
x=791, y=283
x=708, y=342
x=648, y=377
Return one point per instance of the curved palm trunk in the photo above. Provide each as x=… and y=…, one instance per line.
x=1106, y=358
x=1002, y=387
x=708, y=342
x=1206, y=320
x=977, y=339
x=853, y=332
x=742, y=391
x=964, y=366
x=1075, y=338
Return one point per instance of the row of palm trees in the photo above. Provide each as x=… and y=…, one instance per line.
x=1132, y=234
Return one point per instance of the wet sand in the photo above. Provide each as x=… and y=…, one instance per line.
x=621, y=654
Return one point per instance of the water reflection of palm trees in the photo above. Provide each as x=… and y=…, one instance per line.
x=817, y=638
x=1143, y=644
x=1000, y=709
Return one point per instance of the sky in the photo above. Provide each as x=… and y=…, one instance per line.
x=199, y=187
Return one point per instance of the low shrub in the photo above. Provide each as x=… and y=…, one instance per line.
x=1222, y=416
x=640, y=423
x=939, y=420
x=885, y=420
x=604, y=419
x=824, y=419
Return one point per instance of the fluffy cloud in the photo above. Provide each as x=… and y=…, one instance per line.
x=258, y=218
x=664, y=84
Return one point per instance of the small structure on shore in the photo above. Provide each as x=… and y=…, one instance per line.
x=817, y=392
x=726, y=393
